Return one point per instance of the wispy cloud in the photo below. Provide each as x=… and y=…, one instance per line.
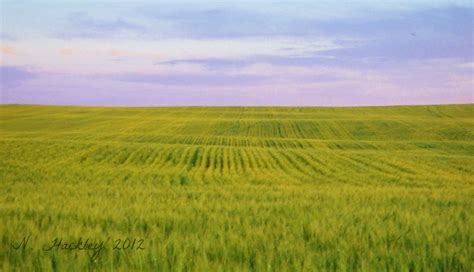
x=192, y=22
x=211, y=63
x=356, y=19
x=426, y=34
x=12, y=76
x=219, y=64
x=81, y=25
x=7, y=37
x=191, y=79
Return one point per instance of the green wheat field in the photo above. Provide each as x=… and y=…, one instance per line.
x=238, y=188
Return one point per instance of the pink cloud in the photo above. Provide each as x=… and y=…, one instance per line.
x=7, y=49
x=66, y=51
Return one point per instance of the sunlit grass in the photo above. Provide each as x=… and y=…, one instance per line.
x=240, y=189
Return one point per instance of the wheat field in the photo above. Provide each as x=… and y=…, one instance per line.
x=238, y=188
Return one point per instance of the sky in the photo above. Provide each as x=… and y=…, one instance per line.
x=236, y=53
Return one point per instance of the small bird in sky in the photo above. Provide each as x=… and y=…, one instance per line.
x=413, y=34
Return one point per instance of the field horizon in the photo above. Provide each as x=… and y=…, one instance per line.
x=243, y=106
x=216, y=188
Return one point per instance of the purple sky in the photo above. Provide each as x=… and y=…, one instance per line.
x=299, y=53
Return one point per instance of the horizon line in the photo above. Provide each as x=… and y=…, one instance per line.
x=236, y=106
